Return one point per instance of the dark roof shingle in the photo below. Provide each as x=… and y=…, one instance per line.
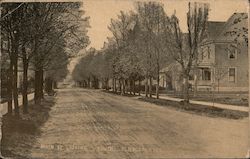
x=214, y=29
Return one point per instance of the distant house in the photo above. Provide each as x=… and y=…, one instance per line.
x=223, y=63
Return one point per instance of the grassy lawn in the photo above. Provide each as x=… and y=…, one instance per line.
x=20, y=133
x=198, y=109
x=192, y=108
x=232, y=98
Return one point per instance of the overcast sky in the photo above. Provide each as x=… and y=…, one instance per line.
x=101, y=11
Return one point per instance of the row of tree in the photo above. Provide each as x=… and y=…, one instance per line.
x=143, y=42
x=39, y=38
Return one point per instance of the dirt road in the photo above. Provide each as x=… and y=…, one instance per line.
x=94, y=124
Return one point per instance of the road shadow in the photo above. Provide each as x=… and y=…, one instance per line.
x=20, y=133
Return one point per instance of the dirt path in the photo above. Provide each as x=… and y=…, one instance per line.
x=94, y=124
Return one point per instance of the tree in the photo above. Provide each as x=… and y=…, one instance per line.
x=152, y=20
x=219, y=74
x=146, y=20
x=187, y=54
x=82, y=71
x=25, y=48
x=56, y=71
x=60, y=21
x=197, y=18
x=10, y=24
x=40, y=34
x=120, y=29
x=134, y=65
x=110, y=56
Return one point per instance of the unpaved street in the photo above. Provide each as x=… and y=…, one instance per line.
x=93, y=124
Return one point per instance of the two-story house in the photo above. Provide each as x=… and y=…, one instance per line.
x=223, y=62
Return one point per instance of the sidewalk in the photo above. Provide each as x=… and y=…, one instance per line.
x=218, y=105
x=4, y=106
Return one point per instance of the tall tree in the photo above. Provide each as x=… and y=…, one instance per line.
x=120, y=29
x=152, y=22
x=60, y=21
x=187, y=54
x=197, y=18
x=37, y=33
x=10, y=24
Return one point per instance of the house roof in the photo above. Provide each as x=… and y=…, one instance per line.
x=217, y=30
x=214, y=29
x=234, y=23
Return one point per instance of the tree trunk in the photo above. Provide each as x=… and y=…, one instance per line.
x=15, y=89
x=55, y=85
x=139, y=90
x=195, y=82
x=38, y=86
x=41, y=85
x=120, y=86
x=113, y=84
x=130, y=87
x=218, y=85
x=48, y=85
x=185, y=89
x=25, y=85
x=146, y=86
x=157, y=90
x=123, y=86
x=158, y=80
x=107, y=84
x=14, y=58
x=89, y=85
x=10, y=79
x=114, y=87
x=150, y=87
x=10, y=88
x=134, y=86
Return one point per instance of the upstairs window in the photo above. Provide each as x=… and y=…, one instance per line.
x=205, y=53
x=232, y=53
x=202, y=53
x=208, y=52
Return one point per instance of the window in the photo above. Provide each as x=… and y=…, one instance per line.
x=206, y=74
x=232, y=54
x=202, y=53
x=232, y=74
x=208, y=52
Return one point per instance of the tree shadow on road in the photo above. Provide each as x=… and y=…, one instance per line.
x=20, y=133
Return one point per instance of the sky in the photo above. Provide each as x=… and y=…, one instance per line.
x=101, y=12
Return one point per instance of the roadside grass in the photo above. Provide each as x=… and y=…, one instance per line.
x=197, y=109
x=231, y=98
x=20, y=133
x=190, y=108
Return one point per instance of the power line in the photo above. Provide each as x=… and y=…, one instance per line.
x=12, y=11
